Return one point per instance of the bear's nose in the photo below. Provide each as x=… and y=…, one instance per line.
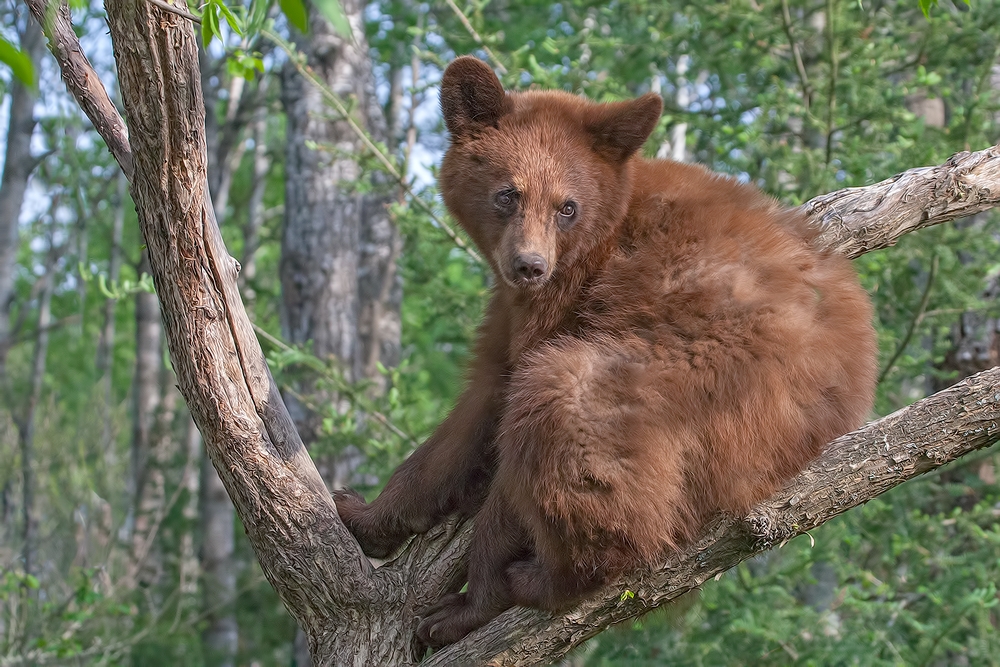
x=530, y=266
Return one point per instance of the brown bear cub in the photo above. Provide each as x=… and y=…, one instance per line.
x=663, y=344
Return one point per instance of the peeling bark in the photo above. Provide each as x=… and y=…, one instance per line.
x=858, y=220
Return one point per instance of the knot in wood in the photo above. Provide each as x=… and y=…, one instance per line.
x=760, y=526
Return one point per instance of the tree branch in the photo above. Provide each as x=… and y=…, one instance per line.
x=292, y=523
x=81, y=79
x=855, y=468
x=858, y=220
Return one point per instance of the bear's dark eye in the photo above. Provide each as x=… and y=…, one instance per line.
x=505, y=199
x=567, y=215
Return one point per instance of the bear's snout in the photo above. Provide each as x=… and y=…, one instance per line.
x=530, y=267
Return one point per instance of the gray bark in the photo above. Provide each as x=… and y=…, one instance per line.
x=340, y=289
x=351, y=612
x=17, y=167
x=221, y=633
x=145, y=386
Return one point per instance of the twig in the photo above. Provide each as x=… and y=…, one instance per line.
x=786, y=19
x=342, y=385
x=915, y=322
x=183, y=13
x=335, y=101
x=475, y=35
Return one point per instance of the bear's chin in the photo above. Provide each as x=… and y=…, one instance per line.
x=527, y=287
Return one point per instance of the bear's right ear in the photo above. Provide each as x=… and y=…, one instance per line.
x=471, y=97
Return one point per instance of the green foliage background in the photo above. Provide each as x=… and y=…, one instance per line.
x=909, y=579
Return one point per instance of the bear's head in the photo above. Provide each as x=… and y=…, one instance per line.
x=538, y=179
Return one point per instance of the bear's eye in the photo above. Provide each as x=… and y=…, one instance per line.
x=568, y=210
x=505, y=198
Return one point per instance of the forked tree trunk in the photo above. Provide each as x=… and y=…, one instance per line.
x=355, y=614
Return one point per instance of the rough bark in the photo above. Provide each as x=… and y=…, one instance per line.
x=290, y=519
x=80, y=78
x=352, y=613
x=223, y=134
x=17, y=167
x=340, y=290
x=858, y=220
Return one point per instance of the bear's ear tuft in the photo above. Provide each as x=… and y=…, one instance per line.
x=621, y=128
x=471, y=97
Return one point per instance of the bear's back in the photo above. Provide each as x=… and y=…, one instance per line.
x=764, y=343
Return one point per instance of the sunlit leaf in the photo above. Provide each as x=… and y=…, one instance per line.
x=334, y=13
x=18, y=61
x=295, y=11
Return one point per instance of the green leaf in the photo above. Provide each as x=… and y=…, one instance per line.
x=296, y=13
x=18, y=61
x=231, y=19
x=925, y=7
x=258, y=14
x=334, y=13
x=209, y=23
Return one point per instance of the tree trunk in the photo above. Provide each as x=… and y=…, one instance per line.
x=340, y=290
x=104, y=363
x=145, y=389
x=26, y=425
x=355, y=614
x=17, y=167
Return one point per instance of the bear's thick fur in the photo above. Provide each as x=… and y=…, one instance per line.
x=662, y=344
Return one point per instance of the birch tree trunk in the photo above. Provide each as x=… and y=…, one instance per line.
x=354, y=614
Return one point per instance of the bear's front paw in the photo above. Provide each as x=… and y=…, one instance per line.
x=351, y=507
x=447, y=621
x=373, y=533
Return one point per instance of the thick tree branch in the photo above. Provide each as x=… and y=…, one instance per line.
x=858, y=220
x=81, y=79
x=855, y=468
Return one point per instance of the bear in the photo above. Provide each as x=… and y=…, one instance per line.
x=662, y=344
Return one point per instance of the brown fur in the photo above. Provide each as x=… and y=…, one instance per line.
x=672, y=349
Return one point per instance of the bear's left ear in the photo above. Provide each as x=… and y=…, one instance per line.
x=621, y=128
x=472, y=98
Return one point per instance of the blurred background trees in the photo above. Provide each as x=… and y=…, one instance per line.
x=117, y=543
